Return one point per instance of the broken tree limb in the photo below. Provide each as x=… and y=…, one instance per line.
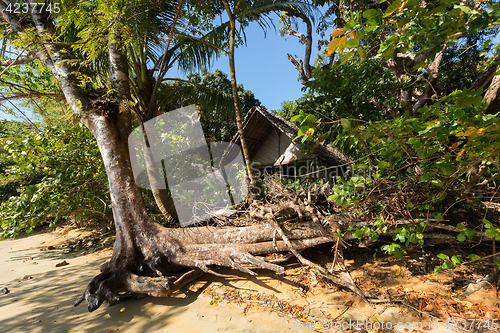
x=321, y=270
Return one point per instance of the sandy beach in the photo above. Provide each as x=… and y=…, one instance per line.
x=42, y=293
x=41, y=299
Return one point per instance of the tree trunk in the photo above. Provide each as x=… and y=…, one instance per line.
x=433, y=70
x=161, y=194
x=147, y=258
x=234, y=85
x=492, y=96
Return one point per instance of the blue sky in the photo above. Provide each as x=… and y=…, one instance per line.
x=263, y=67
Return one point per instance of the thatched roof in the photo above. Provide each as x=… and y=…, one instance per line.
x=259, y=124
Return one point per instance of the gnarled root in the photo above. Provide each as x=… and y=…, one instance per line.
x=115, y=286
x=160, y=253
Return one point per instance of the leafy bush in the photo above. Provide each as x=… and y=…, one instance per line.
x=58, y=173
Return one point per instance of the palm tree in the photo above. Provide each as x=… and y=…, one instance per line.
x=89, y=48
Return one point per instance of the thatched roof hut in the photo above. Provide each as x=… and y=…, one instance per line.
x=270, y=143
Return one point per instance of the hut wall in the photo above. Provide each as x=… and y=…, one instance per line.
x=276, y=150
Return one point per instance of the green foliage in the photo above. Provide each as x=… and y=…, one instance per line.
x=363, y=102
x=410, y=234
x=449, y=263
x=465, y=233
x=347, y=192
x=491, y=231
x=394, y=249
x=349, y=91
x=58, y=174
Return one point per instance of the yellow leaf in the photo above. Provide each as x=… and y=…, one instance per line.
x=455, y=145
x=341, y=44
x=310, y=132
x=352, y=34
x=335, y=44
x=391, y=21
x=392, y=8
x=400, y=9
x=480, y=131
x=470, y=131
x=337, y=32
x=398, y=271
x=461, y=152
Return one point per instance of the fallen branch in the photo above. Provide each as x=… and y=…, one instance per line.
x=321, y=270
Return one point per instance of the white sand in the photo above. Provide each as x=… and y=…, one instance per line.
x=45, y=302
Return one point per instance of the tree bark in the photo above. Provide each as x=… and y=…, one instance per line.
x=147, y=258
x=492, y=95
x=433, y=70
x=234, y=86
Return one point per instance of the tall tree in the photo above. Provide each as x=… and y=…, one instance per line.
x=83, y=45
x=232, y=13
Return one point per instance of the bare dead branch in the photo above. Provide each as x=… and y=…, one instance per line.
x=303, y=67
x=433, y=70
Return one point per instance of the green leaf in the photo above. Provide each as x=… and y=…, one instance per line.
x=359, y=233
x=455, y=260
x=461, y=226
x=347, y=56
x=464, y=9
x=474, y=257
x=370, y=13
x=425, y=177
x=461, y=236
x=443, y=256
x=382, y=165
x=419, y=65
x=362, y=53
x=470, y=233
x=401, y=23
x=354, y=42
x=345, y=123
x=392, y=8
x=398, y=254
x=447, y=265
x=447, y=169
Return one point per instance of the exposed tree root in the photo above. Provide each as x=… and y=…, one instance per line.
x=113, y=287
x=152, y=260
x=323, y=271
x=166, y=252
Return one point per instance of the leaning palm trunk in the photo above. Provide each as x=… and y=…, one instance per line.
x=147, y=258
x=234, y=86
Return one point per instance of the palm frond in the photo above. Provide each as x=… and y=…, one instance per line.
x=259, y=10
x=194, y=53
x=212, y=102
